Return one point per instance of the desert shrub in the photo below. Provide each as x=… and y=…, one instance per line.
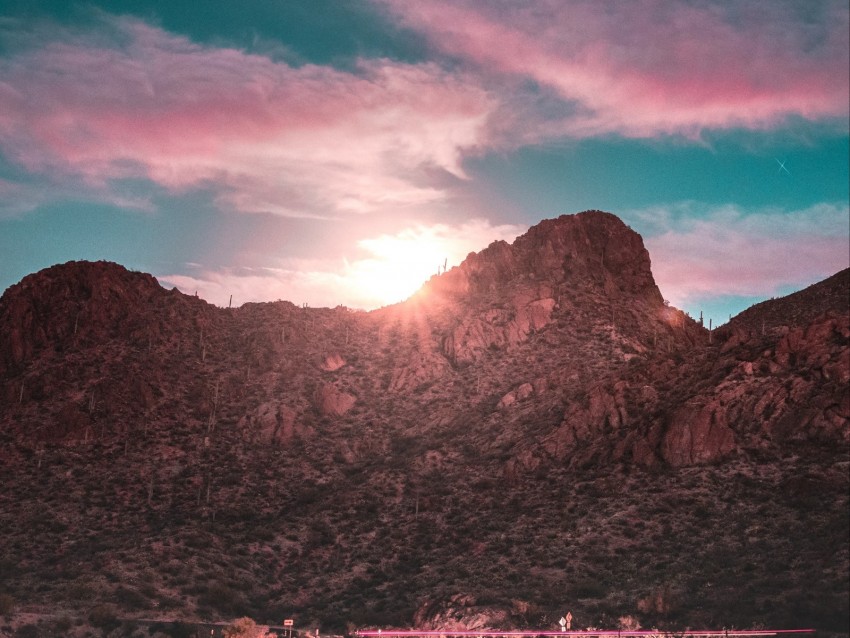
x=27, y=631
x=261, y=534
x=661, y=602
x=131, y=598
x=80, y=591
x=178, y=630
x=168, y=602
x=245, y=628
x=62, y=624
x=587, y=588
x=222, y=598
x=103, y=617
x=198, y=540
x=7, y=604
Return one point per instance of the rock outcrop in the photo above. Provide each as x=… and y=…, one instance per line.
x=330, y=401
x=460, y=612
x=591, y=249
x=78, y=303
x=766, y=390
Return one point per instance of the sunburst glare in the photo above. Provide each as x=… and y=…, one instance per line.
x=399, y=264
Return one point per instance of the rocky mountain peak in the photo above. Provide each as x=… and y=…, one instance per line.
x=592, y=250
x=72, y=302
x=587, y=273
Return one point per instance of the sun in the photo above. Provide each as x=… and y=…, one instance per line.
x=398, y=265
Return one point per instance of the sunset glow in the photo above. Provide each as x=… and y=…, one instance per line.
x=181, y=146
x=399, y=265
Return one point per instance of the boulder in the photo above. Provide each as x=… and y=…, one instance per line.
x=330, y=401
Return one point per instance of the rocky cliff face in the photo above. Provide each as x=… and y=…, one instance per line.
x=534, y=428
x=752, y=390
x=592, y=251
x=565, y=268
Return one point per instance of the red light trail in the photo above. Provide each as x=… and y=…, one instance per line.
x=484, y=633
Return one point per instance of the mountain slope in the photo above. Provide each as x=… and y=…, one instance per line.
x=534, y=429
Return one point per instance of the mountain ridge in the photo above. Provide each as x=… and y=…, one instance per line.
x=534, y=427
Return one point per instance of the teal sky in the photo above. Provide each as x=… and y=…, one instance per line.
x=334, y=152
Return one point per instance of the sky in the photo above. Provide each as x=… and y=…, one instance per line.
x=335, y=152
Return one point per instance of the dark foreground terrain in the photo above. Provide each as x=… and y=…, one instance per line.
x=535, y=431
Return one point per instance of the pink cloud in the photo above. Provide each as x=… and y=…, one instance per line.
x=729, y=252
x=271, y=137
x=659, y=67
x=132, y=101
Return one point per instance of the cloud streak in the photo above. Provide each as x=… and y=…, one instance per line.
x=662, y=67
x=124, y=100
x=268, y=137
x=698, y=254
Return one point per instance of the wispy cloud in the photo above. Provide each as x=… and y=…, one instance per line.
x=652, y=68
x=388, y=268
x=136, y=102
x=701, y=252
x=88, y=108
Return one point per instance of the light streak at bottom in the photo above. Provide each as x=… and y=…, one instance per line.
x=531, y=633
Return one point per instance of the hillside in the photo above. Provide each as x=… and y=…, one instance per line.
x=533, y=431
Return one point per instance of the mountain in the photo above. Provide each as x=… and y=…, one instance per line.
x=535, y=430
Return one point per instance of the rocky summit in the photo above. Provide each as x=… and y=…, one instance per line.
x=534, y=431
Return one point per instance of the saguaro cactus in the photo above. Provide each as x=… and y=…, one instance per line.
x=150, y=488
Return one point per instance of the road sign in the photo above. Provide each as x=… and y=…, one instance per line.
x=563, y=623
x=569, y=619
x=287, y=622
